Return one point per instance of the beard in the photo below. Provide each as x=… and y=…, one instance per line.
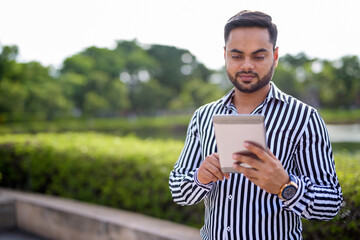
x=260, y=83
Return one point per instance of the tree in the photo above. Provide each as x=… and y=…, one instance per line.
x=45, y=99
x=8, y=64
x=12, y=100
x=340, y=83
x=177, y=66
x=195, y=93
x=27, y=89
x=349, y=76
x=285, y=79
x=102, y=82
x=150, y=97
x=91, y=81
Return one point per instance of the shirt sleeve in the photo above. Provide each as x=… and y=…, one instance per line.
x=183, y=183
x=319, y=196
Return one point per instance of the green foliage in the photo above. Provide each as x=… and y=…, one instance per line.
x=145, y=80
x=156, y=127
x=8, y=66
x=126, y=173
x=321, y=83
x=340, y=115
x=27, y=89
x=152, y=89
x=195, y=93
x=91, y=80
x=12, y=97
x=346, y=224
x=285, y=79
x=167, y=126
x=97, y=82
x=130, y=173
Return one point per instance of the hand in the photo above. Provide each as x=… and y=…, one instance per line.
x=267, y=172
x=210, y=170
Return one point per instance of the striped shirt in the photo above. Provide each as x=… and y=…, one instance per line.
x=238, y=209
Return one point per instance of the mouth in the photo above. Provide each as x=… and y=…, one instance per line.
x=246, y=78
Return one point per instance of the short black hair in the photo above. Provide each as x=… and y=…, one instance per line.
x=248, y=18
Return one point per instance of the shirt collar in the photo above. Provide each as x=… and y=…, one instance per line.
x=274, y=92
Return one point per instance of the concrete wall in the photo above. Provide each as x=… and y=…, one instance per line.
x=57, y=218
x=7, y=214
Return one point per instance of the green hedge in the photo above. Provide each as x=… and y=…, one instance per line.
x=127, y=173
x=163, y=127
x=132, y=174
x=340, y=116
x=346, y=225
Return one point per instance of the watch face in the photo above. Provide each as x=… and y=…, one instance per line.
x=289, y=192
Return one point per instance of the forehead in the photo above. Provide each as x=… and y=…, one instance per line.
x=249, y=39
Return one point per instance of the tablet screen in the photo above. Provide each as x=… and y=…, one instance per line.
x=231, y=131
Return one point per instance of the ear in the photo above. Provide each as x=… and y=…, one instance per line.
x=276, y=56
x=224, y=52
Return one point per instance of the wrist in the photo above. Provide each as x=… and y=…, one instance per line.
x=288, y=190
x=198, y=182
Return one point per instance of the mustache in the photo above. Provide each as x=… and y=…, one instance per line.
x=246, y=72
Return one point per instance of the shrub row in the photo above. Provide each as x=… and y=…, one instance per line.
x=132, y=174
x=340, y=116
x=346, y=225
x=126, y=172
x=164, y=127
x=161, y=126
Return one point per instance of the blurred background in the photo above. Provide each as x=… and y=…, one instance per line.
x=85, y=81
x=71, y=59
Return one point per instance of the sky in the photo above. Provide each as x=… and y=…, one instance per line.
x=49, y=31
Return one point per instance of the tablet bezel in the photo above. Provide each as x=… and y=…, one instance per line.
x=231, y=131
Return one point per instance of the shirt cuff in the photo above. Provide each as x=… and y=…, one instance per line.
x=298, y=195
x=198, y=183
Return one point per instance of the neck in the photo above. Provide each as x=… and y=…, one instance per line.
x=245, y=103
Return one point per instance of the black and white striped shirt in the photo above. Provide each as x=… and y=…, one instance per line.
x=237, y=208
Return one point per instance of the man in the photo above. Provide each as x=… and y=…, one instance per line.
x=294, y=178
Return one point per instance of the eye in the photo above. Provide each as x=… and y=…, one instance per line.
x=236, y=56
x=259, y=57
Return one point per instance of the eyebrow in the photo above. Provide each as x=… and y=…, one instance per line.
x=234, y=50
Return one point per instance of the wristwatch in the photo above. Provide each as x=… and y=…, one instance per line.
x=288, y=190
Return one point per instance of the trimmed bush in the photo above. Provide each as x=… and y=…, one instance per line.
x=164, y=127
x=132, y=174
x=346, y=225
x=126, y=173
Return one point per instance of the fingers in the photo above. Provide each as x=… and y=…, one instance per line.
x=246, y=161
x=256, y=157
x=250, y=173
x=210, y=170
x=226, y=175
x=267, y=171
x=214, y=168
x=258, y=151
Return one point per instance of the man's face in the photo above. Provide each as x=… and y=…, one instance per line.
x=250, y=59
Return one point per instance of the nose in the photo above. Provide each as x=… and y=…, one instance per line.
x=247, y=65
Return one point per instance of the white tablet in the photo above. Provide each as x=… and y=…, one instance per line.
x=231, y=131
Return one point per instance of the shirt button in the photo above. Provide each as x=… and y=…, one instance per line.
x=228, y=229
x=230, y=197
